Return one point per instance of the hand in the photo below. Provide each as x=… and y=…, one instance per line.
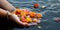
x=7, y=6
x=16, y=19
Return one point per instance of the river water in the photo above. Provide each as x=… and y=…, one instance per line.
x=50, y=13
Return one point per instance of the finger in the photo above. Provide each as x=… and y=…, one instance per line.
x=3, y=13
x=38, y=21
x=32, y=24
x=6, y=5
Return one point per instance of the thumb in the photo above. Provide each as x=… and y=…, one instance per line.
x=14, y=18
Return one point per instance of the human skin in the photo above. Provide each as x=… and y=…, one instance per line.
x=5, y=9
x=9, y=16
x=6, y=5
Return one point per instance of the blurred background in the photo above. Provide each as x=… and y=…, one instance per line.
x=50, y=13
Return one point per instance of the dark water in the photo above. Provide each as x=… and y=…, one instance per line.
x=50, y=13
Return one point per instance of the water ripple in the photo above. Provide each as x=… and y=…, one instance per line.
x=51, y=11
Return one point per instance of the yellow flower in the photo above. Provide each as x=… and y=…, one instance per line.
x=28, y=20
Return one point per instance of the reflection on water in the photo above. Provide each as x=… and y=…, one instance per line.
x=51, y=11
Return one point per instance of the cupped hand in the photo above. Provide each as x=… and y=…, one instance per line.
x=16, y=19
